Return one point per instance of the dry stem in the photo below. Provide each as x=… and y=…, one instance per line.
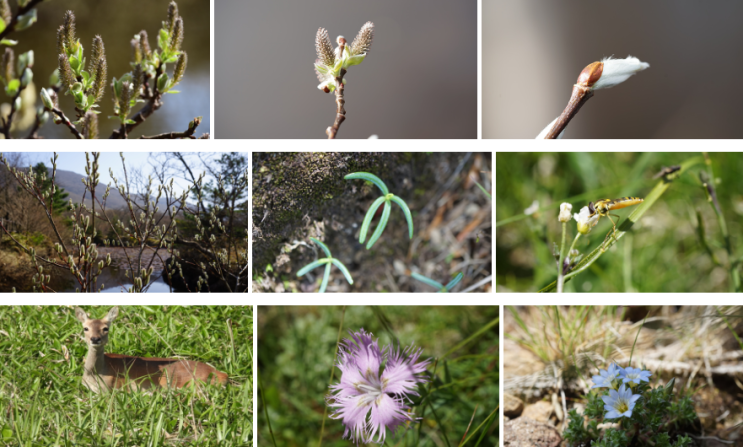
x=580, y=95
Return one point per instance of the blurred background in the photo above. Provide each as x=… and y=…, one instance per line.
x=116, y=21
x=550, y=350
x=662, y=253
x=533, y=51
x=296, y=352
x=419, y=80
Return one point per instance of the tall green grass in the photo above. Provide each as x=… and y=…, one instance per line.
x=44, y=402
x=297, y=347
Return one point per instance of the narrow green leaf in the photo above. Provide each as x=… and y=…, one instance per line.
x=323, y=246
x=454, y=281
x=343, y=270
x=380, y=226
x=427, y=280
x=325, y=278
x=311, y=266
x=369, y=178
x=9, y=42
x=368, y=218
x=408, y=216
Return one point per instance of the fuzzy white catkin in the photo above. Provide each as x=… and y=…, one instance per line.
x=544, y=131
x=617, y=71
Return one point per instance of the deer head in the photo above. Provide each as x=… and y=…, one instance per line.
x=96, y=331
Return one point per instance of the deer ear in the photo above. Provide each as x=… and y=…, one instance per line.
x=112, y=314
x=81, y=315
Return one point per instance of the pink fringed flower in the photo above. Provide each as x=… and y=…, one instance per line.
x=375, y=383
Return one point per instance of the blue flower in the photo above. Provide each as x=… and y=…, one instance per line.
x=634, y=375
x=620, y=403
x=606, y=377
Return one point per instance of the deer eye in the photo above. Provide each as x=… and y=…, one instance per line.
x=85, y=329
x=105, y=329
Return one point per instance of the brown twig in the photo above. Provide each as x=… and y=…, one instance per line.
x=67, y=123
x=579, y=97
x=176, y=135
x=582, y=92
x=11, y=26
x=34, y=134
x=340, y=112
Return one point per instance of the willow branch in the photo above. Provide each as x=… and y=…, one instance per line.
x=340, y=112
x=67, y=123
x=580, y=95
x=176, y=135
x=21, y=11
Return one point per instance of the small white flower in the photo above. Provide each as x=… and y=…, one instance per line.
x=533, y=208
x=617, y=71
x=585, y=221
x=565, y=209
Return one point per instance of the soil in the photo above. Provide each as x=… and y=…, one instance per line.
x=301, y=195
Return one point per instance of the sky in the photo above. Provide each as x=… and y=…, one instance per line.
x=75, y=162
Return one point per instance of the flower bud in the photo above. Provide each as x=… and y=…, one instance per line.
x=565, y=215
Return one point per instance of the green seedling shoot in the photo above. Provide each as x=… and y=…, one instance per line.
x=386, y=198
x=442, y=288
x=327, y=262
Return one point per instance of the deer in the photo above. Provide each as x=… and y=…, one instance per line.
x=105, y=371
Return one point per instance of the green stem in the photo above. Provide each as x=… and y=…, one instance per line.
x=560, y=279
x=332, y=372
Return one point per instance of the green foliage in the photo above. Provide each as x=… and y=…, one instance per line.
x=385, y=199
x=659, y=253
x=297, y=348
x=657, y=419
x=327, y=262
x=46, y=404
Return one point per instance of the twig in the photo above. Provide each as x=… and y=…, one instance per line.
x=176, y=135
x=340, y=112
x=34, y=134
x=21, y=11
x=67, y=123
x=581, y=94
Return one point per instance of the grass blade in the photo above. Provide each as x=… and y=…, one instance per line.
x=427, y=280
x=406, y=211
x=380, y=226
x=311, y=266
x=454, y=281
x=325, y=278
x=369, y=178
x=368, y=218
x=343, y=270
x=323, y=246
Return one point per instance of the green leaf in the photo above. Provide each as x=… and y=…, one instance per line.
x=163, y=38
x=2, y=25
x=454, y=281
x=26, y=20
x=380, y=226
x=343, y=270
x=369, y=178
x=312, y=265
x=323, y=246
x=130, y=121
x=406, y=211
x=368, y=218
x=427, y=280
x=325, y=278
x=171, y=92
x=13, y=87
x=9, y=42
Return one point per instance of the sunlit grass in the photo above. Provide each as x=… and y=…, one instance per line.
x=46, y=404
